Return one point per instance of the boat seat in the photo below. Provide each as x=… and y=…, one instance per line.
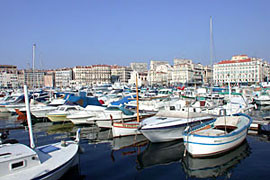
x=229, y=121
x=210, y=132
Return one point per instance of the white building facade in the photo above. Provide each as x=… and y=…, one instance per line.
x=160, y=73
x=188, y=73
x=8, y=76
x=241, y=69
x=63, y=77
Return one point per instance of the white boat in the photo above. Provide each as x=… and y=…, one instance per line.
x=11, y=107
x=153, y=104
x=18, y=161
x=60, y=114
x=9, y=101
x=60, y=100
x=81, y=117
x=42, y=111
x=262, y=100
x=217, y=136
x=120, y=129
x=168, y=125
x=104, y=119
x=235, y=105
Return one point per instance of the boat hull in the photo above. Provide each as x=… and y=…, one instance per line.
x=107, y=123
x=125, y=129
x=205, y=146
x=209, y=140
x=169, y=132
x=164, y=134
x=58, y=118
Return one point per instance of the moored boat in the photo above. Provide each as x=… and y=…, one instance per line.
x=18, y=161
x=217, y=136
x=169, y=125
x=60, y=114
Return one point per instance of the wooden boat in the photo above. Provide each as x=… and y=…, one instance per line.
x=127, y=128
x=217, y=136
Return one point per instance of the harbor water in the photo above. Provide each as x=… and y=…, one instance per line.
x=134, y=157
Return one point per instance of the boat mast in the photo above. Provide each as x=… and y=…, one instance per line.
x=211, y=49
x=29, y=122
x=137, y=98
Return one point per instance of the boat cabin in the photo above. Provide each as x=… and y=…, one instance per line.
x=16, y=157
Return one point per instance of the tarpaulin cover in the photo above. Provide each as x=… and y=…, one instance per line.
x=124, y=100
x=82, y=101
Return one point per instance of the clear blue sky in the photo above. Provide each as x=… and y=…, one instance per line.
x=86, y=32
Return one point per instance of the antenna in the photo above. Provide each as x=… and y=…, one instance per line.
x=33, y=57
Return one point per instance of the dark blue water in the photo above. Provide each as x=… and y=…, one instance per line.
x=103, y=157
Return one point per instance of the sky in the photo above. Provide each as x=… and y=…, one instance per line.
x=70, y=33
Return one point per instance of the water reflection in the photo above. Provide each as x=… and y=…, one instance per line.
x=160, y=154
x=128, y=141
x=60, y=128
x=5, y=115
x=216, y=166
x=128, y=145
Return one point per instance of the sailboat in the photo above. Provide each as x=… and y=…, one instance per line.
x=18, y=161
x=127, y=128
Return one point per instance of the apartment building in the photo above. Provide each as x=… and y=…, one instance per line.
x=82, y=75
x=187, y=72
x=63, y=77
x=101, y=74
x=33, y=79
x=160, y=73
x=49, y=79
x=208, y=75
x=241, y=69
x=92, y=75
x=141, y=77
x=120, y=73
x=8, y=76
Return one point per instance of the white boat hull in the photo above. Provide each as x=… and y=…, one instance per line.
x=262, y=102
x=125, y=129
x=81, y=120
x=171, y=130
x=164, y=134
x=211, y=138
x=41, y=112
x=200, y=146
